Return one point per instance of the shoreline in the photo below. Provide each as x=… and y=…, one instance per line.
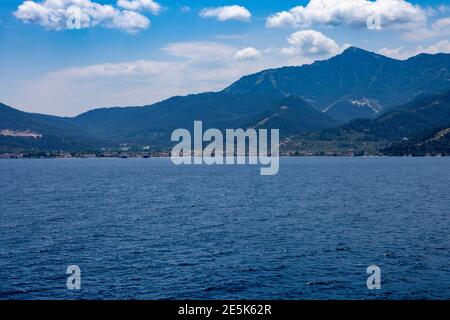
x=16, y=157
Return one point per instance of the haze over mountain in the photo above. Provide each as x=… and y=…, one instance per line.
x=354, y=84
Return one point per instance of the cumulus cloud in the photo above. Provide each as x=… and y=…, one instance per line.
x=137, y=5
x=130, y=21
x=58, y=14
x=225, y=13
x=310, y=43
x=249, y=53
x=392, y=13
x=403, y=54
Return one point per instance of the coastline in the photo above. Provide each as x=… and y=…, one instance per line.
x=21, y=157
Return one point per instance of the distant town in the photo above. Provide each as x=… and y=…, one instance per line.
x=145, y=155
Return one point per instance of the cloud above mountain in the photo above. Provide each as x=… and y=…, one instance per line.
x=226, y=13
x=310, y=43
x=69, y=14
x=403, y=54
x=356, y=13
x=249, y=53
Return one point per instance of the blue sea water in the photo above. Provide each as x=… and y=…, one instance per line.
x=147, y=229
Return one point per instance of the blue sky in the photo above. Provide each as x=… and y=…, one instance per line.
x=136, y=52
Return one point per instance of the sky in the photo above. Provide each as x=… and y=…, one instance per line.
x=65, y=57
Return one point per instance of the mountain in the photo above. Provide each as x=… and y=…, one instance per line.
x=418, y=127
x=294, y=115
x=153, y=124
x=28, y=131
x=354, y=75
x=425, y=113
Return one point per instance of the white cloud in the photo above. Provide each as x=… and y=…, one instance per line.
x=55, y=14
x=134, y=68
x=130, y=21
x=403, y=54
x=136, y=5
x=440, y=28
x=393, y=13
x=440, y=47
x=249, y=53
x=395, y=53
x=311, y=43
x=225, y=13
x=442, y=24
x=201, y=53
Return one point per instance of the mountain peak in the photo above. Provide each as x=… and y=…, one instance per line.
x=358, y=52
x=355, y=50
x=356, y=55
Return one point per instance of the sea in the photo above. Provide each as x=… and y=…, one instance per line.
x=149, y=229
